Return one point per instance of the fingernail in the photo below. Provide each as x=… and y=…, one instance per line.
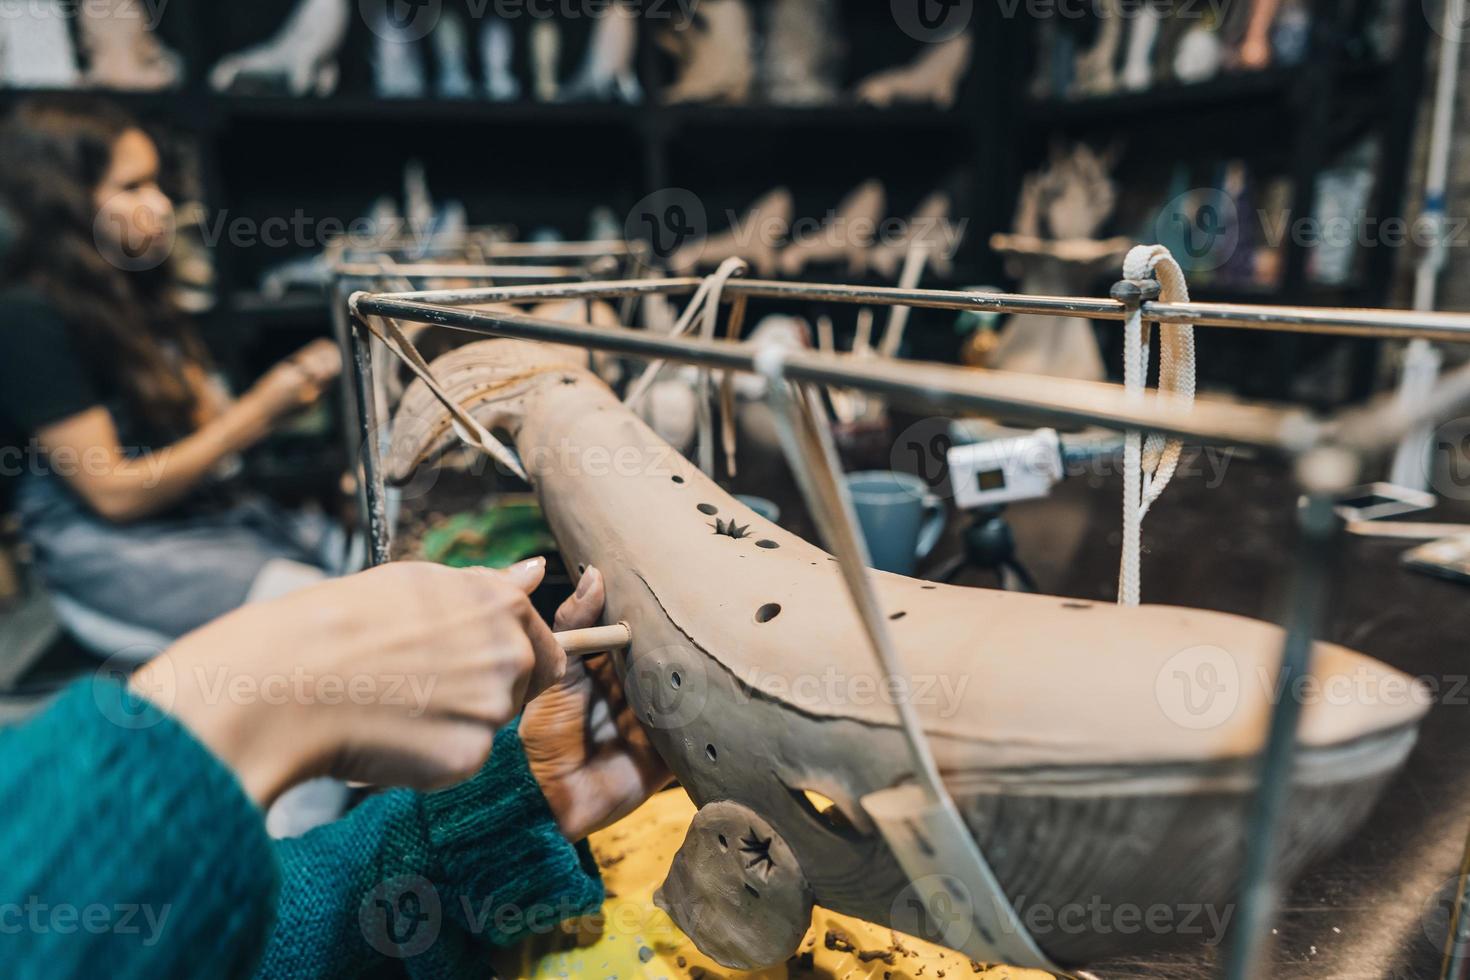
x=528, y=567
x=584, y=584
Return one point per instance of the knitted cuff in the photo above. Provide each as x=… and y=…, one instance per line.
x=499, y=853
x=130, y=810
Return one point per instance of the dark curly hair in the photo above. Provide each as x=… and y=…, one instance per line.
x=56, y=150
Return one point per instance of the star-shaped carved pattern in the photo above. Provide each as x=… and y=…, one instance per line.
x=730, y=529
x=758, y=852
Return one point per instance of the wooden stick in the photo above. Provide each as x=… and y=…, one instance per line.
x=597, y=639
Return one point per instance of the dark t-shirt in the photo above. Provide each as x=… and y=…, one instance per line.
x=42, y=378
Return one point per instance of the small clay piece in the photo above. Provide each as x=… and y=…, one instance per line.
x=715, y=53
x=736, y=884
x=1097, y=753
x=934, y=76
x=301, y=56
x=846, y=235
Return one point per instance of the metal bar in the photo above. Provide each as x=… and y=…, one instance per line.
x=1449, y=327
x=458, y=270
x=526, y=294
x=1053, y=400
x=1456, y=962
x=1260, y=888
x=374, y=490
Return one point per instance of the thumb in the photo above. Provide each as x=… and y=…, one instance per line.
x=526, y=575
x=584, y=608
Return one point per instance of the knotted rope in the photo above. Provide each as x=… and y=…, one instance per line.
x=1149, y=465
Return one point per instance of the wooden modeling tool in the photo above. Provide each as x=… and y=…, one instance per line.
x=597, y=639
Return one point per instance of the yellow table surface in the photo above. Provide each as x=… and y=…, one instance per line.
x=634, y=940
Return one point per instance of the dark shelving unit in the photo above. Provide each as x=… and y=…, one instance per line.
x=546, y=165
x=1297, y=117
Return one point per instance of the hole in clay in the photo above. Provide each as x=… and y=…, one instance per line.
x=711, y=754
x=1076, y=605
x=708, y=509
x=768, y=612
x=676, y=679
x=898, y=615
x=753, y=892
x=928, y=588
x=724, y=844
x=581, y=569
x=825, y=812
x=677, y=479
x=766, y=543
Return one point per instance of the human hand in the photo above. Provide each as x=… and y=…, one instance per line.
x=396, y=676
x=299, y=380
x=584, y=744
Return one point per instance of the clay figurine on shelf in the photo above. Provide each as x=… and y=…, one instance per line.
x=1082, y=753
x=497, y=55
x=801, y=54
x=1143, y=36
x=301, y=57
x=1054, y=252
x=756, y=237
x=451, y=42
x=607, y=71
x=1200, y=55
x=845, y=236
x=1096, y=72
x=123, y=50
x=398, y=64
x=1254, y=52
x=545, y=56
x=928, y=226
x=36, y=49
x=715, y=51
x=934, y=77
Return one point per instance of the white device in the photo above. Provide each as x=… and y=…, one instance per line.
x=1003, y=471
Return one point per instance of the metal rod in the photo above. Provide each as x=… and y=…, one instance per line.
x=374, y=491
x=613, y=289
x=1052, y=400
x=1456, y=962
x=458, y=270
x=1260, y=887
x=1450, y=327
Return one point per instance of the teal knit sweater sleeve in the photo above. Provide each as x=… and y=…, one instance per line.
x=132, y=852
x=129, y=851
x=419, y=884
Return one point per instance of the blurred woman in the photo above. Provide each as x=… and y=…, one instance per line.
x=105, y=382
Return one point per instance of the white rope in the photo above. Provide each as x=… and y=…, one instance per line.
x=1149, y=465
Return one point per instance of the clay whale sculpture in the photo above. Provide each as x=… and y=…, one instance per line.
x=1093, y=756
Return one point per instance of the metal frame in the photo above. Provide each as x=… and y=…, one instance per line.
x=1327, y=452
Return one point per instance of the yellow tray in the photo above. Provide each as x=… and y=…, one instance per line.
x=634, y=940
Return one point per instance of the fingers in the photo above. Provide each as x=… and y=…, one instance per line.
x=527, y=575
x=584, y=607
x=551, y=659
